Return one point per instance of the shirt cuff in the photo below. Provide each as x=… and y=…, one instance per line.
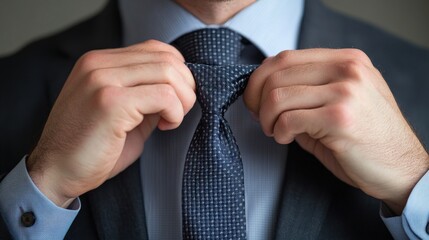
x=392, y=222
x=414, y=222
x=28, y=213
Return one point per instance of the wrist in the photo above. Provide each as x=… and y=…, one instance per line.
x=400, y=197
x=46, y=182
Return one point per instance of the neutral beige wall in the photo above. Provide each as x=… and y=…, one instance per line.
x=408, y=19
x=24, y=20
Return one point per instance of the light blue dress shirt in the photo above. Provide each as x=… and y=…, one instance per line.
x=162, y=161
x=263, y=159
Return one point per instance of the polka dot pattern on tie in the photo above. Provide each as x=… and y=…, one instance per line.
x=213, y=200
x=211, y=46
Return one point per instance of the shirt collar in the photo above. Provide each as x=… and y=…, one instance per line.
x=272, y=25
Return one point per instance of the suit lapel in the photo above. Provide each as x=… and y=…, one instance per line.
x=308, y=186
x=117, y=206
x=307, y=192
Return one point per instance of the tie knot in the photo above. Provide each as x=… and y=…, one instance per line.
x=219, y=86
x=212, y=46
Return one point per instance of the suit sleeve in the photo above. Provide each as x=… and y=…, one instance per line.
x=27, y=214
x=414, y=221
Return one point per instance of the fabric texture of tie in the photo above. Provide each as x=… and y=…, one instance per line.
x=213, y=200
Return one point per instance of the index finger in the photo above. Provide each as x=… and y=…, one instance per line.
x=291, y=58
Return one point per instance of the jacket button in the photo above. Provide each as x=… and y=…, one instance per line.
x=28, y=219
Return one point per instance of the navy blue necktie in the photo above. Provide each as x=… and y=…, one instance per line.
x=213, y=200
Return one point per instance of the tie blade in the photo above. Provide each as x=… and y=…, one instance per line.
x=213, y=191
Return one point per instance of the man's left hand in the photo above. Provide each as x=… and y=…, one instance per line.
x=337, y=106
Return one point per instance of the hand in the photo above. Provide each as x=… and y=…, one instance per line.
x=108, y=107
x=338, y=107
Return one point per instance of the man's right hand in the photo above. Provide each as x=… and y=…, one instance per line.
x=109, y=105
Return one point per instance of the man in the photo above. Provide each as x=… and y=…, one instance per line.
x=334, y=103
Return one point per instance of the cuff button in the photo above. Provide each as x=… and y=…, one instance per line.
x=28, y=219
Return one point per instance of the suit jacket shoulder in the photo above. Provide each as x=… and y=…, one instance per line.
x=33, y=78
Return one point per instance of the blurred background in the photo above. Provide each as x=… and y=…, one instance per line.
x=22, y=21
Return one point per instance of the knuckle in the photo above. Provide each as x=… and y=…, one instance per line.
x=159, y=46
x=90, y=60
x=283, y=57
x=167, y=57
x=357, y=54
x=154, y=44
x=282, y=132
x=167, y=93
x=170, y=103
x=106, y=98
x=189, y=101
x=273, y=79
x=97, y=77
x=340, y=116
x=167, y=71
x=275, y=96
x=280, y=138
x=148, y=45
x=353, y=69
x=346, y=89
x=285, y=120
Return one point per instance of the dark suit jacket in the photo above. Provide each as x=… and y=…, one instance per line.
x=314, y=205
